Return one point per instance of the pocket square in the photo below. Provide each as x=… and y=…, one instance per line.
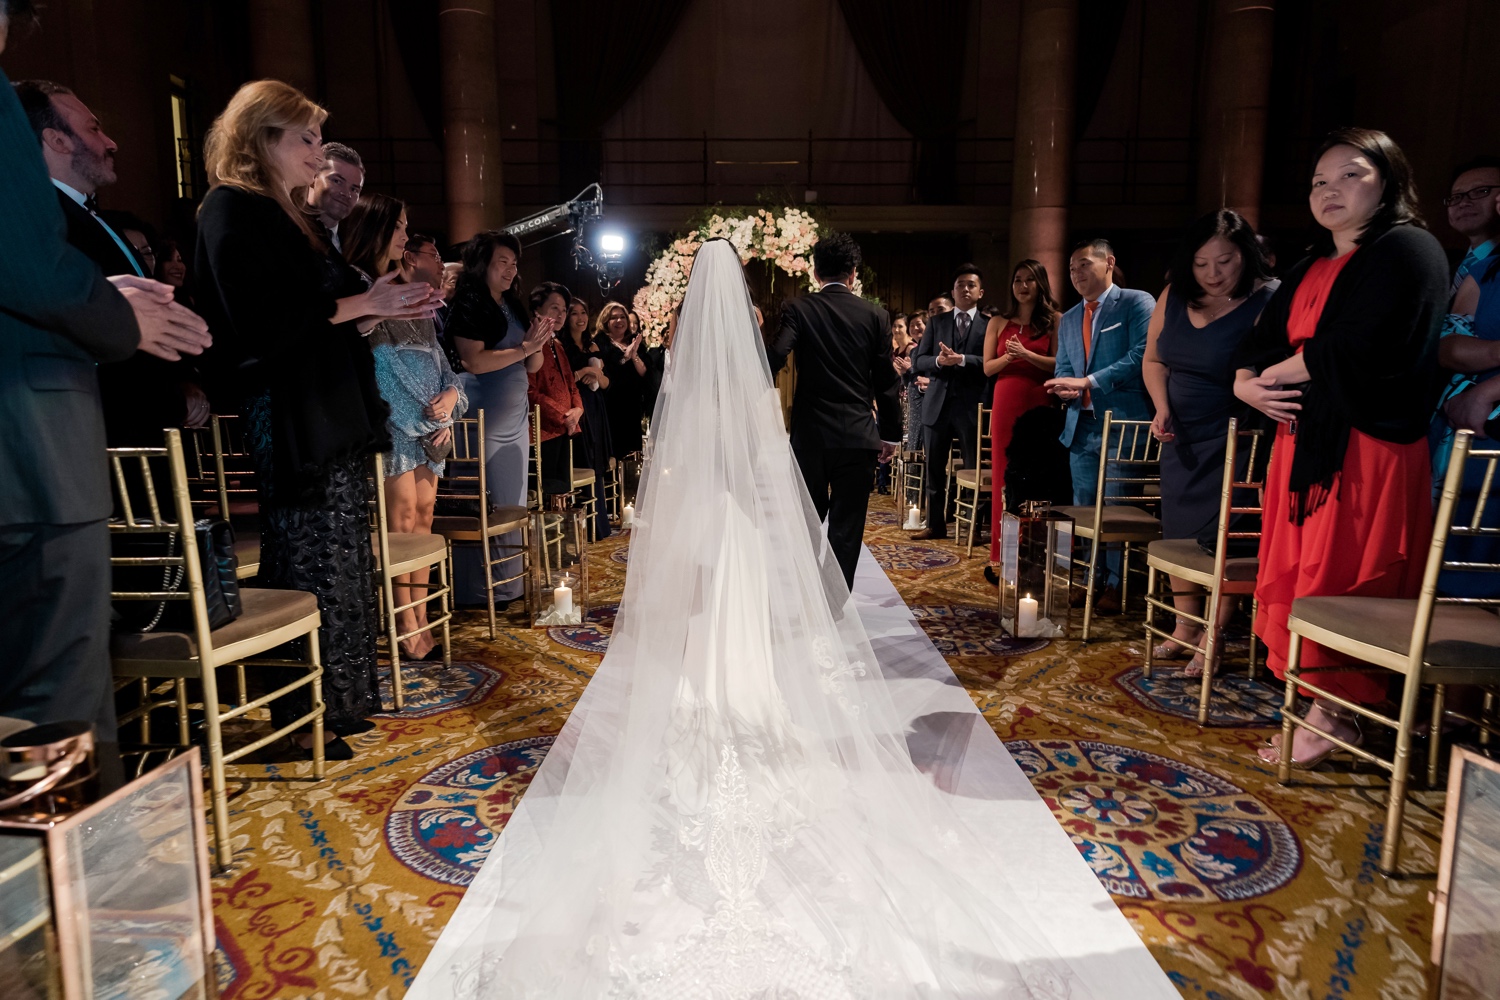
x=1112, y=326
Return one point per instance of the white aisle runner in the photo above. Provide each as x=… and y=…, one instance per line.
x=1051, y=888
x=1064, y=899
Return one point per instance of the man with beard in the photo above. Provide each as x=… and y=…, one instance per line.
x=335, y=191
x=142, y=394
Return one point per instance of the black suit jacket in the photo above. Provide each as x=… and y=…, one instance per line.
x=142, y=394
x=57, y=317
x=952, y=385
x=843, y=346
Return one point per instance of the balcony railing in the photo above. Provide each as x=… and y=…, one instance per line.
x=698, y=170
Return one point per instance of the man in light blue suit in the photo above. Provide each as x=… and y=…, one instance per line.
x=1100, y=343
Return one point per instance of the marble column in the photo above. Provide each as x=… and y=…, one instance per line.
x=1044, y=136
x=1231, y=159
x=471, y=117
x=281, y=43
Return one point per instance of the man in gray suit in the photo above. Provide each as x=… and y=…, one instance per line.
x=1100, y=344
x=59, y=317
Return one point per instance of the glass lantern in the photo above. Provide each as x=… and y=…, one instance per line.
x=1036, y=571
x=559, y=580
x=111, y=901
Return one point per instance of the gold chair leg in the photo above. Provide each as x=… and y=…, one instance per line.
x=1151, y=595
x=315, y=660
x=1125, y=579
x=1487, y=713
x=489, y=581
x=1088, y=597
x=1435, y=738
x=446, y=604
x=1395, y=813
x=218, y=784
x=388, y=598
x=179, y=691
x=1288, y=706
x=1210, y=662
x=145, y=689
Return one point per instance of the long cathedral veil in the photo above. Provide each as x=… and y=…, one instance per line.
x=731, y=810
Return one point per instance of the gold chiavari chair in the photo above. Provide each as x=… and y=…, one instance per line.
x=465, y=480
x=398, y=554
x=1129, y=476
x=269, y=619
x=1429, y=641
x=220, y=472
x=1219, y=575
x=976, y=481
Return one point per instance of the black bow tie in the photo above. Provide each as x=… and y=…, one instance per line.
x=91, y=202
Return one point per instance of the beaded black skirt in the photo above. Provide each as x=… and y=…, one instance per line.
x=321, y=544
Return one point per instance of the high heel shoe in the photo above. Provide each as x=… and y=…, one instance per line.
x=1311, y=762
x=1171, y=649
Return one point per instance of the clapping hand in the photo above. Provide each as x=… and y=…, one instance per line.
x=633, y=349
x=1262, y=393
x=168, y=330
x=923, y=382
x=948, y=357
x=901, y=364
x=542, y=330
x=388, y=300
x=1014, y=348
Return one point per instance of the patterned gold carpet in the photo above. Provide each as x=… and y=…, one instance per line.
x=1240, y=887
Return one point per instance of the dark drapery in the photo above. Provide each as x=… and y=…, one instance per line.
x=415, y=24
x=914, y=53
x=1099, y=25
x=603, y=50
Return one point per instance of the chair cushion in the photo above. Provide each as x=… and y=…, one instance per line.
x=1187, y=553
x=966, y=477
x=502, y=519
x=264, y=611
x=1118, y=518
x=583, y=477
x=247, y=550
x=1463, y=637
x=412, y=551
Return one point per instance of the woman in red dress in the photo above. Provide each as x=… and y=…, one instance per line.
x=1019, y=354
x=1344, y=359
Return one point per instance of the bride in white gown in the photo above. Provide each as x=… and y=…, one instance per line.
x=731, y=811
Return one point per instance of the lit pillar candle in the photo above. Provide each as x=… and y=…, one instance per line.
x=1026, y=616
x=627, y=517
x=914, y=517
x=562, y=599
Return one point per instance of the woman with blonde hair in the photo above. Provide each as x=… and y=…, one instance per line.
x=626, y=370
x=288, y=320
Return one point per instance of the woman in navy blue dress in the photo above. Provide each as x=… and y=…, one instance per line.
x=1217, y=286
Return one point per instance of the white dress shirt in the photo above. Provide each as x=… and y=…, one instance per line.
x=82, y=200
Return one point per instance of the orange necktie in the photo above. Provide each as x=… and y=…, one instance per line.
x=1089, y=309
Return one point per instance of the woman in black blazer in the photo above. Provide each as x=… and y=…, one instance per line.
x=289, y=315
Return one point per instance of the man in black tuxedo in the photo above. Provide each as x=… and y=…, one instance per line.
x=844, y=370
x=141, y=394
x=60, y=317
x=952, y=356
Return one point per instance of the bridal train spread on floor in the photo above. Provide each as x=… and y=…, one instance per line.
x=732, y=810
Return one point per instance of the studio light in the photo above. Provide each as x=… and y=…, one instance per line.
x=611, y=246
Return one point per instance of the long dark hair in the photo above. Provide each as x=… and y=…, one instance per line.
x=474, y=279
x=1044, y=311
x=1398, y=199
x=367, y=232
x=1233, y=227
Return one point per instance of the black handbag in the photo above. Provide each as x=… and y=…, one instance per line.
x=216, y=560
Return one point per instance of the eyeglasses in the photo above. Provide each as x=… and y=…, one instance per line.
x=429, y=252
x=1473, y=194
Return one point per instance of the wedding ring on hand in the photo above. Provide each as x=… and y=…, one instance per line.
x=403, y=300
